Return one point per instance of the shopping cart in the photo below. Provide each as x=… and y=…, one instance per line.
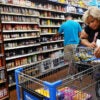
x=86, y=59
x=55, y=85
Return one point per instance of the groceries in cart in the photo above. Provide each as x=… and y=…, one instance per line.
x=74, y=94
x=84, y=58
x=66, y=93
x=84, y=54
x=45, y=92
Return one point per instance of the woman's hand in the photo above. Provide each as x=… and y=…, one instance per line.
x=97, y=52
x=92, y=45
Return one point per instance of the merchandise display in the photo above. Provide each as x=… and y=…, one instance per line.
x=28, y=31
x=4, y=93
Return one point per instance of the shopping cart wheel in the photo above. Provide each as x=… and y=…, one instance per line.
x=97, y=88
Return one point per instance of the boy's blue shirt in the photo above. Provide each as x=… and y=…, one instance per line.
x=71, y=30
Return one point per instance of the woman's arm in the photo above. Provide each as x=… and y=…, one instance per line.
x=84, y=40
x=97, y=52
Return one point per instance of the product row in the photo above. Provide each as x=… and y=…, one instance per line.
x=34, y=4
x=50, y=22
x=1, y=61
x=3, y=92
x=41, y=67
x=51, y=38
x=49, y=30
x=30, y=42
x=51, y=14
x=2, y=75
x=17, y=10
x=19, y=43
x=41, y=14
x=21, y=35
x=26, y=12
x=9, y=18
x=24, y=51
x=19, y=27
x=31, y=59
x=76, y=10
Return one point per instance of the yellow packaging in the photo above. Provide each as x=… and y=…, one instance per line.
x=43, y=92
x=48, y=22
x=50, y=30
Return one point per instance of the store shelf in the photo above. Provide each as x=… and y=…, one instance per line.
x=52, y=50
x=0, y=41
x=49, y=42
x=21, y=38
x=5, y=97
x=12, y=22
x=25, y=55
x=10, y=31
x=15, y=14
x=2, y=68
x=56, y=18
x=75, y=13
x=80, y=21
x=52, y=26
x=13, y=84
x=1, y=55
x=24, y=46
x=4, y=93
x=22, y=66
x=3, y=81
x=47, y=34
x=36, y=8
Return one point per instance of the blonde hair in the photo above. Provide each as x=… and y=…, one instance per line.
x=92, y=11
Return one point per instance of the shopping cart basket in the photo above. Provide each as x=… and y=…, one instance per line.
x=86, y=59
x=79, y=59
x=55, y=85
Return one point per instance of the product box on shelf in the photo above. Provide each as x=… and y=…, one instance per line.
x=46, y=65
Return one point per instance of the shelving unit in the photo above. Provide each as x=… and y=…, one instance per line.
x=28, y=30
x=21, y=36
x=76, y=11
x=23, y=26
x=3, y=72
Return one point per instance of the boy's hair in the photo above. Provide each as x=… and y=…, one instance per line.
x=68, y=15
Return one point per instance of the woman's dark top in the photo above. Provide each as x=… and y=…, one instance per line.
x=91, y=33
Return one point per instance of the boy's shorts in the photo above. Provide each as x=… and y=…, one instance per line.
x=69, y=52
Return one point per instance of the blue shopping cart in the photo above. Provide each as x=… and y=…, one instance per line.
x=54, y=84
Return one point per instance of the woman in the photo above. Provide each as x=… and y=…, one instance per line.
x=92, y=30
x=90, y=34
